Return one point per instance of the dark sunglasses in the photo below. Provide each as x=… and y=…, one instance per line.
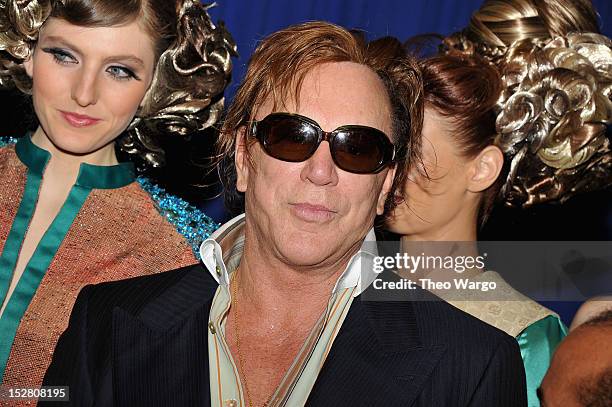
x=294, y=138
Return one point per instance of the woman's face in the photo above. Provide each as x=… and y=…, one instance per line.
x=89, y=82
x=434, y=205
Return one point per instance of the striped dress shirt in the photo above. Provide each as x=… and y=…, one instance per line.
x=225, y=386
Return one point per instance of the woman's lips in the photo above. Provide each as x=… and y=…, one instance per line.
x=79, y=120
x=312, y=213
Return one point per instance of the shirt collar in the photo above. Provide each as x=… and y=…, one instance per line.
x=90, y=176
x=358, y=273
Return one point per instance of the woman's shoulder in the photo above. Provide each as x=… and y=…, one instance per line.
x=505, y=308
x=528, y=311
x=163, y=208
x=548, y=329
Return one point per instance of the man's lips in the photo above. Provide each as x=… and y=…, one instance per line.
x=312, y=212
x=79, y=120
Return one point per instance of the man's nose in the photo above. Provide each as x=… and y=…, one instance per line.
x=85, y=89
x=320, y=169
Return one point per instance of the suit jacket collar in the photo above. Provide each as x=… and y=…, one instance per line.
x=377, y=358
x=377, y=347
x=191, y=295
x=160, y=354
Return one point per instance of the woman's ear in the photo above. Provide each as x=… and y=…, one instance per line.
x=28, y=65
x=241, y=160
x=485, y=168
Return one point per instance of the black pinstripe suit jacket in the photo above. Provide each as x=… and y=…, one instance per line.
x=143, y=342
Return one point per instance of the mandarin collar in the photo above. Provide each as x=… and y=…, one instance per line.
x=90, y=176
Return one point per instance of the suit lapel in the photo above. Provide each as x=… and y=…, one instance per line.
x=160, y=356
x=377, y=358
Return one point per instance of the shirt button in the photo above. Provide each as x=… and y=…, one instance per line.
x=231, y=403
x=218, y=270
x=212, y=329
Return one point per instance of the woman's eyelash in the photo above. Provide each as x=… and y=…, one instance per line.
x=120, y=73
x=60, y=56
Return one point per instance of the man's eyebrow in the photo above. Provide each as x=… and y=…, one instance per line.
x=117, y=58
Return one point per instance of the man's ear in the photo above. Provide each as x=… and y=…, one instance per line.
x=241, y=160
x=384, y=192
x=485, y=168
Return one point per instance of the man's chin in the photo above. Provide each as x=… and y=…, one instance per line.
x=307, y=254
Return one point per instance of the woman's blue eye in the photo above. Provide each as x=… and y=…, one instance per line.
x=121, y=73
x=60, y=56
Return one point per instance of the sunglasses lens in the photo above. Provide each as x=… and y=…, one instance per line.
x=358, y=150
x=288, y=139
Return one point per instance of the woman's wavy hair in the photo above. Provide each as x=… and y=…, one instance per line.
x=277, y=69
x=192, y=71
x=555, y=109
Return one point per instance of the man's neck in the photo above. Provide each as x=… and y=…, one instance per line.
x=271, y=286
x=274, y=309
x=268, y=286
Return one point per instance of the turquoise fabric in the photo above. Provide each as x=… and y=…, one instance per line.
x=188, y=220
x=89, y=177
x=538, y=343
x=7, y=141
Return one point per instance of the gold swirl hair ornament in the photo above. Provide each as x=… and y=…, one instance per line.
x=553, y=117
x=186, y=94
x=20, y=21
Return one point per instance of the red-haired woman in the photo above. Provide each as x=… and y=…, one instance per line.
x=450, y=192
x=540, y=100
x=102, y=74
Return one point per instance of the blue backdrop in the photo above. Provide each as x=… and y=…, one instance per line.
x=251, y=20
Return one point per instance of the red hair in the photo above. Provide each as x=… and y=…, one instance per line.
x=465, y=90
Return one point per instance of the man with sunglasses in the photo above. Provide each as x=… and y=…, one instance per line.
x=276, y=316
